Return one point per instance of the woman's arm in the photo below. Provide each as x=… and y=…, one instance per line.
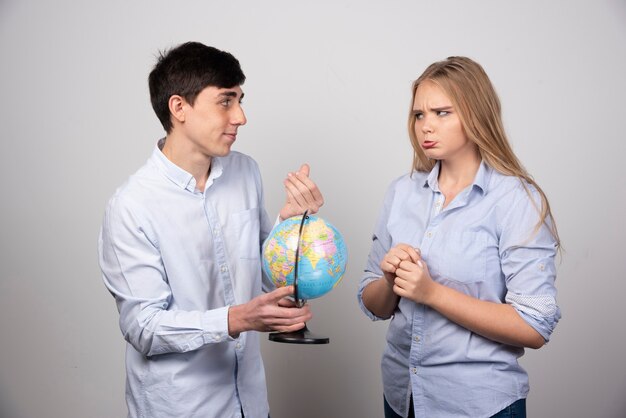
x=497, y=321
x=379, y=296
x=379, y=299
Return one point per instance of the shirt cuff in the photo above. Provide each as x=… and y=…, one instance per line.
x=215, y=325
x=364, y=283
x=539, y=311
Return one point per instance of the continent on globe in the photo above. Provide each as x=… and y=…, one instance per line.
x=321, y=261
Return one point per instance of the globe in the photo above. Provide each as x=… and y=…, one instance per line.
x=322, y=255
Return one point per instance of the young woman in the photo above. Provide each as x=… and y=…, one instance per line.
x=462, y=258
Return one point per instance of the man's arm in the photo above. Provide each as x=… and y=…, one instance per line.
x=133, y=272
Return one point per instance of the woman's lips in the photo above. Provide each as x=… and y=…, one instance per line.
x=428, y=144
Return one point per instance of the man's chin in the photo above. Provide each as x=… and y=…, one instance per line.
x=222, y=151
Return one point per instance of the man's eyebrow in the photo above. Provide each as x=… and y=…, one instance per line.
x=230, y=94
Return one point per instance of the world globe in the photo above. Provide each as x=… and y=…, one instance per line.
x=322, y=255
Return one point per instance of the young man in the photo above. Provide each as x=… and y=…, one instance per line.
x=180, y=250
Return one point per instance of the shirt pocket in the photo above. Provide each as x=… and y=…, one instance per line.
x=246, y=225
x=463, y=261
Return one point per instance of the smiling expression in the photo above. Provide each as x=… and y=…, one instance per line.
x=210, y=124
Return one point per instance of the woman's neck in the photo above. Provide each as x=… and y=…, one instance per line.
x=454, y=176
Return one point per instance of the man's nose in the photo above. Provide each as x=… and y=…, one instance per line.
x=238, y=117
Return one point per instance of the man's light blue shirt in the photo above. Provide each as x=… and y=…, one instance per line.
x=484, y=244
x=175, y=259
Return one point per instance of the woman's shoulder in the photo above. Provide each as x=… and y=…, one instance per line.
x=410, y=180
x=506, y=184
x=513, y=193
x=404, y=186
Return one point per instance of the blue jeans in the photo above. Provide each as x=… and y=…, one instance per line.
x=390, y=413
x=268, y=415
x=516, y=410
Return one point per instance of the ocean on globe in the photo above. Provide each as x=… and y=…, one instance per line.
x=322, y=256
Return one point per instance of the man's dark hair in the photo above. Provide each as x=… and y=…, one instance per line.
x=185, y=71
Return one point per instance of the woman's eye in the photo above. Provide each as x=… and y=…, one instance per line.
x=419, y=116
x=443, y=113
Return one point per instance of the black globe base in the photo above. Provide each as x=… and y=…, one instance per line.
x=302, y=336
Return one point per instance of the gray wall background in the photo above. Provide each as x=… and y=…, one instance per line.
x=328, y=83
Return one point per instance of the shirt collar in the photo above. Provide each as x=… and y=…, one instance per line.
x=177, y=175
x=431, y=179
x=483, y=176
x=481, y=180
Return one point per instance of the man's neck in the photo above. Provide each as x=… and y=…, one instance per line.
x=189, y=159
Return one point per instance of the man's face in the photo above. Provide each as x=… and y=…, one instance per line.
x=211, y=124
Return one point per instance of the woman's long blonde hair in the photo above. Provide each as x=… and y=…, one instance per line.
x=468, y=87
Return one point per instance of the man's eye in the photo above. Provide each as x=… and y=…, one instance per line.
x=226, y=103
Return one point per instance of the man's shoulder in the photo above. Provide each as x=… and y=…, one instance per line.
x=137, y=190
x=239, y=158
x=238, y=164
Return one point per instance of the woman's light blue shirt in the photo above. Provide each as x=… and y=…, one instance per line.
x=484, y=244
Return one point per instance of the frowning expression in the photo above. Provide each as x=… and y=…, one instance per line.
x=438, y=128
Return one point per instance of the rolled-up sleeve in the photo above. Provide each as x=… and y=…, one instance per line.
x=381, y=243
x=133, y=272
x=527, y=257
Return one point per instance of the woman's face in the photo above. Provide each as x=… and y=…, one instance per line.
x=438, y=127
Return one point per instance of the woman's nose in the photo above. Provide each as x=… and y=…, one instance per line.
x=427, y=125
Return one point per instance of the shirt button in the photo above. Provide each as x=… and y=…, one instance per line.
x=417, y=339
x=414, y=370
x=216, y=232
x=429, y=234
x=238, y=346
x=542, y=267
x=223, y=268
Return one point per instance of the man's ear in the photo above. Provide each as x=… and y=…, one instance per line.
x=176, y=105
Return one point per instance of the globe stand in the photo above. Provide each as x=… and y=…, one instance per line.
x=302, y=336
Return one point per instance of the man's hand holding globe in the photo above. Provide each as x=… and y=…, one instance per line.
x=274, y=311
